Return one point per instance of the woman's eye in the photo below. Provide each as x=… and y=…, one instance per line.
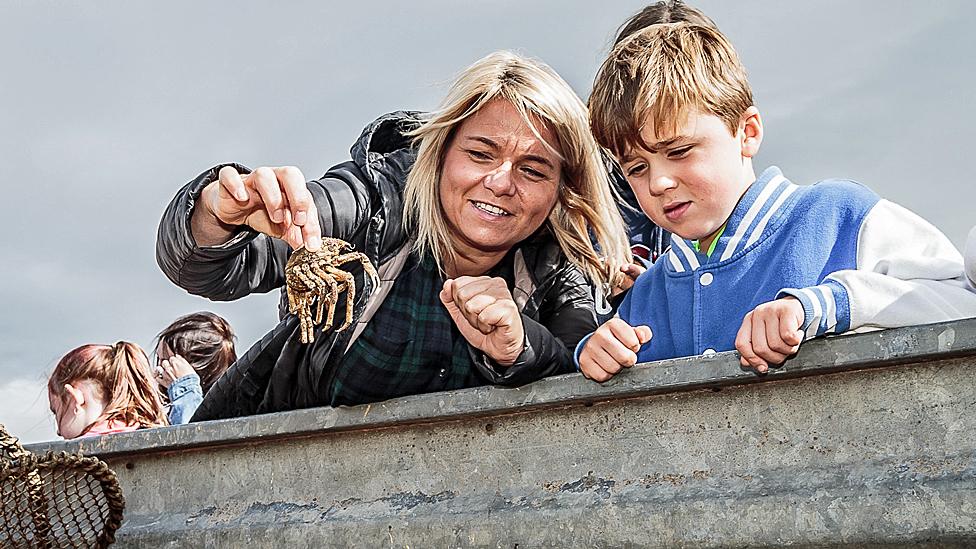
x=533, y=173
x=636, y=170
x=679, y=152
x=478, y=155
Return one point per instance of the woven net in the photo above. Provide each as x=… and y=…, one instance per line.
x=58, y=500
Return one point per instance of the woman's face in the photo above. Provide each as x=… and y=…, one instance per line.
x=498, y=181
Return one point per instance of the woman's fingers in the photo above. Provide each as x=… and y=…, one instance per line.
x=485, y=302
x=176, y=366
x=644, y=334
x=295, y=191
x=498, y=313
x=632, y=270
x=293, y=236
x=232, y=182
x=481, y=312
x=467, y=287
x=274, y=201
x=164, y=373
x=486, y=316
x=265, y=182
x=311, y=231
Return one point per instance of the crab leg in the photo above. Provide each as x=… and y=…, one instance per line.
x=350, y=285
x=361, y=258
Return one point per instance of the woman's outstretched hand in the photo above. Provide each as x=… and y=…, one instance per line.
x=487, y=316
x=273, y=201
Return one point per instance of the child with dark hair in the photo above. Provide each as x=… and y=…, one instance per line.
x=667, y=11
x=103, y=389
x=192, y=353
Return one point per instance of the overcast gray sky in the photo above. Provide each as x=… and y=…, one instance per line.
x=106, y=108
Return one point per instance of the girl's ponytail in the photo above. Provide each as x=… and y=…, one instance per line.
x=134, y=397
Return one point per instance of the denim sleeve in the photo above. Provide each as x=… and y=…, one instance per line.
x=185, y=394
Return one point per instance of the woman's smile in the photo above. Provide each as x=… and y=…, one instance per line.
x=491, y=212
x=499, y=180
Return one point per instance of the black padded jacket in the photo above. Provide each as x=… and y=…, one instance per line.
x=360, y=201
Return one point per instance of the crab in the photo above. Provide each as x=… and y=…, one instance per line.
x=314, y=278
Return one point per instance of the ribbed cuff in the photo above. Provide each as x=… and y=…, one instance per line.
x=826, y=309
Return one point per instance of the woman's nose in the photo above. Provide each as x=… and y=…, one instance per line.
x=499, y=181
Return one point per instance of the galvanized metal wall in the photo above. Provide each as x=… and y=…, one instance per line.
x=863, y=440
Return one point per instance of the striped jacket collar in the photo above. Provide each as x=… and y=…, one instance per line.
x=768, y=195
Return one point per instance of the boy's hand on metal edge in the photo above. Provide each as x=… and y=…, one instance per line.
x=612, y=347
x=770, y=334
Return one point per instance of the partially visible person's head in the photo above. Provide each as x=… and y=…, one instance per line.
x=205, y=340
x=673, y=104
x=96, y=383
x=668, y=11
x=509, y=151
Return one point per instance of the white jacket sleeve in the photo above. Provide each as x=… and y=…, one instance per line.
x=907, y=273
x=970, y=259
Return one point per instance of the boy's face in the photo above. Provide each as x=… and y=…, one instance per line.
x=690, y=182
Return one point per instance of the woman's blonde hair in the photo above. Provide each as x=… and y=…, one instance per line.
x=585, y=203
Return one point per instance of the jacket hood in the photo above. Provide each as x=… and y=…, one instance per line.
x=383, y=149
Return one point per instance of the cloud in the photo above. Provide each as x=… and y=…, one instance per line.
x=26, y=413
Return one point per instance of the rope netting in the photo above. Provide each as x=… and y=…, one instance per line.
x=57, y=500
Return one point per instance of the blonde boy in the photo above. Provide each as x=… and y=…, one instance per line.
x=756, y=263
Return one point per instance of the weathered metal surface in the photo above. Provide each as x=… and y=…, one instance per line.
x=865, y=440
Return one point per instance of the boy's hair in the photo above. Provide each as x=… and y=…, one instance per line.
x=123, y=378
x=661, y=75
x=205, y=340
x=667, y=11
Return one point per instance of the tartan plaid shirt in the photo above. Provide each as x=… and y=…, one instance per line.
x=411, y=345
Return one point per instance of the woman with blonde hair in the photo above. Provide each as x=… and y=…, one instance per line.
x=479, y=217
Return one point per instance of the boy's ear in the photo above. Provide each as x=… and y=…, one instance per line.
x=751, y=132
x=76, y=397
